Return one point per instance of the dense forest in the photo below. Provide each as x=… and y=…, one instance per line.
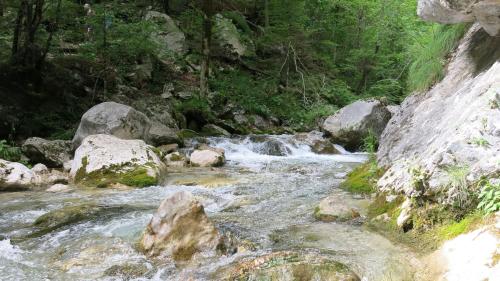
x=292, y=61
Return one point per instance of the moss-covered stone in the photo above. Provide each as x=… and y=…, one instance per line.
x=127, y=271
x=65, y=216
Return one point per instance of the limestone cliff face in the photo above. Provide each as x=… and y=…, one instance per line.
x=454, y=125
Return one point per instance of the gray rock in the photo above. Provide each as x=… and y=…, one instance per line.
x=171, y=39
x=229, y=42
x=59, y=188
x=51, y=153
x=115, y=119
x=317, y=142
x=450, y=126
x=487, y=14
x=354, y=122
x=160, y=134
x=457, y=11
x=179, y=229
x=214, y=130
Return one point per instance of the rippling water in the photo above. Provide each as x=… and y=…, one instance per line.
x=268, y=200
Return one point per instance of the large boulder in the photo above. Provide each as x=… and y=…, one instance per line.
x=15, y=176
x=452, y=129
x=169, y=37
x=51, y=153
x=354, y=122
x=456, y=11
x=207, y=157
x=228, y=41
x=104, y=160
x=115, y=119
x=179, y=229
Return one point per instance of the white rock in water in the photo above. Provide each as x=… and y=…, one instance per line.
x=115, y=160
x=15, y=176
x=207, y=158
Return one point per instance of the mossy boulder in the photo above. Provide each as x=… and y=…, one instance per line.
x=104, y=160
x=289, y=266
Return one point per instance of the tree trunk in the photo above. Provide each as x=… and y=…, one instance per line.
x=205, y=46
x=1, y=8
x=266, y=13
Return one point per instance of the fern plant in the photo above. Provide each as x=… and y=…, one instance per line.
x=489, y=198
x=8, y=152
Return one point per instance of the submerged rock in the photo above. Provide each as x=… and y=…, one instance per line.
x=15, y=176
x=115, y=119
x=333, y=208
x=51, y=153
x=207, y=158
x=354, y=122
x=65, y=216
x=179, y=229
x=289, y=266
x=103, y=160
x=127, y=271
x=59, y=188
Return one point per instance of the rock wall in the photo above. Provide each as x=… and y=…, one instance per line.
x=453, y=126
x=486, y=12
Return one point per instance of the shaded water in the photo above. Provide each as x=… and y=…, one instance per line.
x=267, y=200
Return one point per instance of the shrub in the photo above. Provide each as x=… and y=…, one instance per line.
x=8, y=152
x=489, y=198
x=428, y=54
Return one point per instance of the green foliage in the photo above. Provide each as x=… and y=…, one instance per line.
x=370, y=143
x=481, y=142
x=489, y=198
x=9, y=152
x=381, y=206
x=428, y=54
x=463, y=194
x=453, y=229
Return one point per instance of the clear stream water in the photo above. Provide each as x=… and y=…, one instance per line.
x=268, y=200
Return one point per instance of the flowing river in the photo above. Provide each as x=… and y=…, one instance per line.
x=266, y=200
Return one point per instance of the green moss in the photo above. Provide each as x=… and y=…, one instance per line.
x=127, y=174
x=138, y=178
x=380, y=206
x=362, y=179
x=453, y=229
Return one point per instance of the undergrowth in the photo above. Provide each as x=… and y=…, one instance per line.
x=428, y=54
